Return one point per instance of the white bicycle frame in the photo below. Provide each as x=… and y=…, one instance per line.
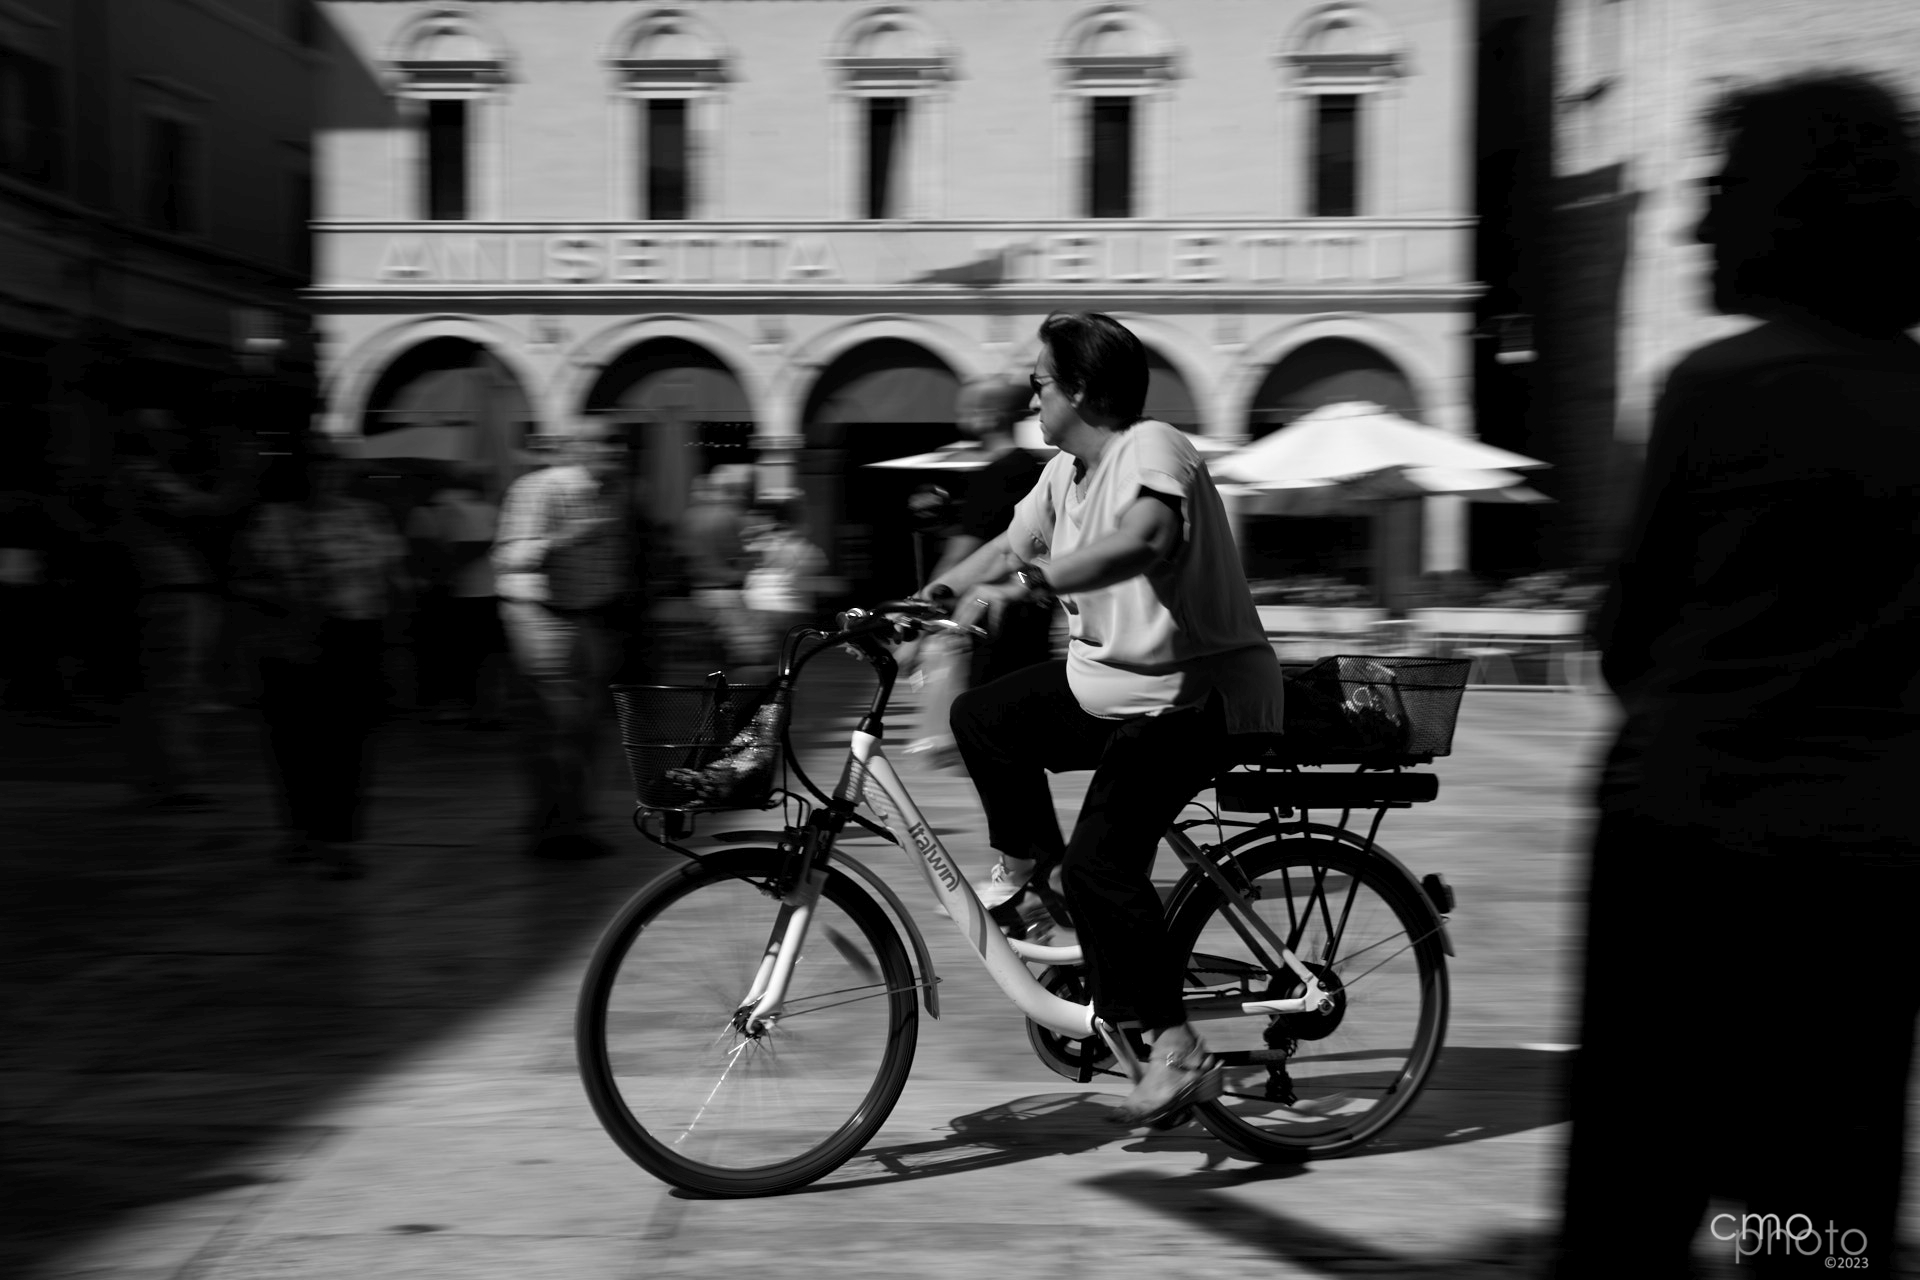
x=1005, y=958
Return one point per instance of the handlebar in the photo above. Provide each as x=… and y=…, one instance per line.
x=901, y=620
x=868, y=631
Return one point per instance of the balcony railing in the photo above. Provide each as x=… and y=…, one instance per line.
x=1358, y=254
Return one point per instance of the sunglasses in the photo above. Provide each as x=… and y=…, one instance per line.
x=1037, y=382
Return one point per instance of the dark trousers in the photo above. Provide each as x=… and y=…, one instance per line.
x=1014, y=731
x=1714, y=1061
x=319, y=713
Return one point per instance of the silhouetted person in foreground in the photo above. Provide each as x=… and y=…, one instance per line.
x=1750, y=998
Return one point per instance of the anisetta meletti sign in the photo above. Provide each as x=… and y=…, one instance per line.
x=1298, y=254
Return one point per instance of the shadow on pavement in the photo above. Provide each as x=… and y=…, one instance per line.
x=1313, y=1248
x=184, y=1007
x=1474, y=1094
x=1027, y=1128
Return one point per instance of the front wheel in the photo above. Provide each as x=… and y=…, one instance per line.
x=706, y=1105
x=1312, y=1084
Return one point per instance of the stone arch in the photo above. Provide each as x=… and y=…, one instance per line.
x=877, y=392
x=347, y=388
x=688, y=411
x=667, y=33
x=1116, y=30
x=447, y=35
x=890, y=35
x=574, y=380
x=1335, y=32
x=1400, y=348
x=791, y=384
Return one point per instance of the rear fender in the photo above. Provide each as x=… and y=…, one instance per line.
x=1339, y=834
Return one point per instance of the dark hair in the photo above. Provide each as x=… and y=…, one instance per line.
x=1834, y=154
x=1097, y=357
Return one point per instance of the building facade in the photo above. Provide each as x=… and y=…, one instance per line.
x=788, y=230
x=155, y=172
x=1634, y=80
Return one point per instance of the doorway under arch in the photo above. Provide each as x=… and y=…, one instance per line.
x=686, y=411
x=886, y=398
x=445, y=404
x=1329, y=371
x=1322, y=372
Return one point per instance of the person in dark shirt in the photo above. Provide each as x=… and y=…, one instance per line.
x=1749, y=1004
x=1022, y=636
x=988, y=412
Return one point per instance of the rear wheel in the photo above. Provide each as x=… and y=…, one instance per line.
x=1319, y=1083
x=707, y=1104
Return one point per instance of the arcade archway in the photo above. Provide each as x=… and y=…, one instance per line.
x=446, y=404
x=688, y=413
x=1322, y=372
x=882, y=399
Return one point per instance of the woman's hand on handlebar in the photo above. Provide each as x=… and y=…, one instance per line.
x=985, y=605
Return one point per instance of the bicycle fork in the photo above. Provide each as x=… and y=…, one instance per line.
x=757, y=1011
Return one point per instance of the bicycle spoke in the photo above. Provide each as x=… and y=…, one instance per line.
x=1324, y=1079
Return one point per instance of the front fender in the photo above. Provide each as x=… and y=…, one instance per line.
x=922, y=957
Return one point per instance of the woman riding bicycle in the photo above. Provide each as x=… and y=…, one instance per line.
x=1166, y=658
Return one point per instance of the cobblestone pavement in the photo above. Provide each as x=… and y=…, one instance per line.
x=220, y=1066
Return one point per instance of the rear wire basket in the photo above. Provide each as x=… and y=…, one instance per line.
x=1365, y=705
x=697, y=748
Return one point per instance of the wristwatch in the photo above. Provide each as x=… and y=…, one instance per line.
x=1034, y=580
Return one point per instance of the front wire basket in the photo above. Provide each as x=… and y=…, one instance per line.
x=698, y=748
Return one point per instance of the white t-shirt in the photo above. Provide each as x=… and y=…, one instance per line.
x=1167, y=638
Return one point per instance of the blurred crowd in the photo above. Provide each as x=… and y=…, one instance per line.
x=199, y=576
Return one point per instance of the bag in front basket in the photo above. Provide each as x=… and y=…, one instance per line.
x=743, y=771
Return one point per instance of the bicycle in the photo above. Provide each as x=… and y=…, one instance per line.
x=731, y=1055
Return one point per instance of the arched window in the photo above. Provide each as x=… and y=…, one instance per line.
x=449, y=76
x=670, y=74
x=1340, y=63
x=889, y=153
x=1114, y=115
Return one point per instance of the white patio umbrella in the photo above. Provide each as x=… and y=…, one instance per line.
x=965, y=455
x=1351, y=497
x=1343, y=441
x=1356, y=457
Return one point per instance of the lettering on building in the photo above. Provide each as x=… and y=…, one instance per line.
x=1295, y=256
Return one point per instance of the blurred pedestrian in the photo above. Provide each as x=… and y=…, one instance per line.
x=1748, y=1015
x=565, y=562
x=163, y=516
x=1022, y=635
x=779, y=589
x=712, y=545
x=29, y=654
x=322, y=567
x=452, y=534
